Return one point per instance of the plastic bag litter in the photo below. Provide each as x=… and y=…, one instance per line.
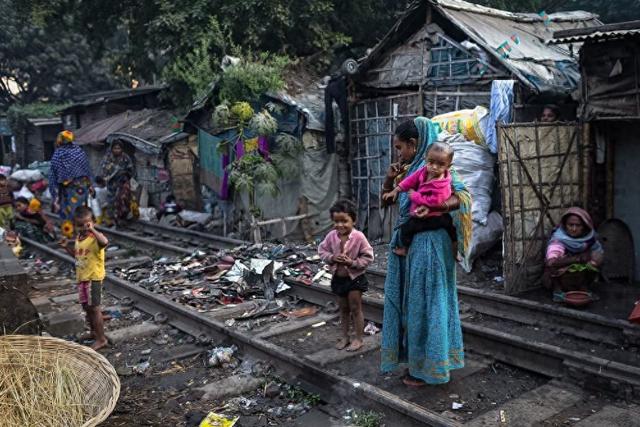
x=221, y=355
x=371, y=329
x=235, y=274
x=217, y=420
x=257, y=265
x=148, y=214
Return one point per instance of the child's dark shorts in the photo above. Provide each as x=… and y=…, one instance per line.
x=90, y=293
x=341, y=286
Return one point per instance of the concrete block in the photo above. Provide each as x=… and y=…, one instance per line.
x=64, y=323
x=317, y=418
x=229, y=387
x=530, y=408
x=65, y=299
x=42, y=304
x=332, y=355
x=294, y=325
x=53, y=284
x=612, y=416
x=134, y=331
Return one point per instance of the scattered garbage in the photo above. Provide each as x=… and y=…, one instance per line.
x=221, y=356
x=371, y=329
x=141, y=367
x=160, y=318
x=271, y=390
x=455, y=406
x=301, y=312
x=217, y=420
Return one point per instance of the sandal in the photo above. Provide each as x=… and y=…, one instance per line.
x=410, y=381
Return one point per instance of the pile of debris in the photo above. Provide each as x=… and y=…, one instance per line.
x=248, y=273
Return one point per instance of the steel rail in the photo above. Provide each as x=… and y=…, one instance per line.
x=333, y=388
x=539, y=357
x=578, y=323
x=546, y=359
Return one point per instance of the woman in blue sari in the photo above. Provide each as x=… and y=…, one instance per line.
x=421, y=325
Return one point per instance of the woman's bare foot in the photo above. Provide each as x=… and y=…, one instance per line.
x=355, y=345
x=97, y=345
x=400, y=251
x=342, y=344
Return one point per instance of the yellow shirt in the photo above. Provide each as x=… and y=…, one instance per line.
x=89, y=259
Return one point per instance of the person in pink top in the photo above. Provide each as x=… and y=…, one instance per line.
x=348, y=253
x=428, y=187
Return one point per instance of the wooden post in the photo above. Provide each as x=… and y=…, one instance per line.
x=255, y=230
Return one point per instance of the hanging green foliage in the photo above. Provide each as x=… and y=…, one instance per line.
x=221, y=116
x=250, y=79
x=263, y=124
x=242, y=112
x=252, y=172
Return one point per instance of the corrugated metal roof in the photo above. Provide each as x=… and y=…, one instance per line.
x=112, y=95
x=570, y=16
x=542, y=67
x=45, y=121
x=596, y=36
x=147, y=128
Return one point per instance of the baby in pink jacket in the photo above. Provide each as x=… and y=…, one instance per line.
x=429, y=186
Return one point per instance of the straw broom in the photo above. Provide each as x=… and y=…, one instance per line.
x=39, y=389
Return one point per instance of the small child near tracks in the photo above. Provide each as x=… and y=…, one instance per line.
x=89, y=253
x=6, y=203
x=348, y=253
x=429, y=186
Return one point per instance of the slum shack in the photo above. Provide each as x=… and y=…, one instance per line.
x=39, y=139
x=455, y=61
x=93, y=107
x=610, y=111
x=144, y=134
x=442, y=56
x=302, y=179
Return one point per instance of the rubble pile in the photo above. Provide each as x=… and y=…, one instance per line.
x=254, y=273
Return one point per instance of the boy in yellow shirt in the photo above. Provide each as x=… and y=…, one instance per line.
x=90, y=272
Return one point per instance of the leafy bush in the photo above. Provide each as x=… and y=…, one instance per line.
x=249, y=80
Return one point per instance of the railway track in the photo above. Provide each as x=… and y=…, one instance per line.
x=338, y=379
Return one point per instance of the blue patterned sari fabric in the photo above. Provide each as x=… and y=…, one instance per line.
x=421, y=325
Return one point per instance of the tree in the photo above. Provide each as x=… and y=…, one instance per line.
x=38, y=63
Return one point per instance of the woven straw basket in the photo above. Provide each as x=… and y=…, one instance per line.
x=99, y=380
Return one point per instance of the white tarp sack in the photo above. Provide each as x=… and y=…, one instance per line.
x=475, y=164
x=27, y=175
x=148, y=214
x=483, y=238
x=193, y=216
